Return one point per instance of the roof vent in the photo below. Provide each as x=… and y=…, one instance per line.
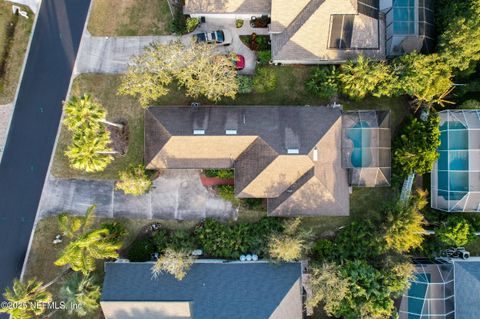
x=195, y=105
x=198, y=132
x=231, y=132
x=315, y=154
x=293, y=151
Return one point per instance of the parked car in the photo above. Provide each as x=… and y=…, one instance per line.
x=220, y=37
x=237, y=59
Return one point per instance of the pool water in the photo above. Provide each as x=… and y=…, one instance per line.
x=418, y=289
x=361, y=154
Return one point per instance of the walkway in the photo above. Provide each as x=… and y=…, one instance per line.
x=34, y=126
x=112, y=54
x=5, y=116
x=176, y=194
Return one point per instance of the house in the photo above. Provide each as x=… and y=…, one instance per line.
x=443, y=290
x=211, y=289
x=291, y=156
x=455, y=181
x=331, y=31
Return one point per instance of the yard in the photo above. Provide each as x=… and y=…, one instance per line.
x=129, y=18
x=14, y=37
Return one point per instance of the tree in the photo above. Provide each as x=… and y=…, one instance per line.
x=428, y=78
x=365, y=76
x=71, y=226
x=134, y=181
x=404, y=225
x=27, y=299
x=323, y=82
x=197, y=67
x=81, y=253
x=290, y=244
x=455, y=232
x=90, y=151
x=84, y=113
x=174, y=262
x=81, y=294
x=415, y=148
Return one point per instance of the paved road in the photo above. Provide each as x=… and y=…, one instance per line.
x=34, y=126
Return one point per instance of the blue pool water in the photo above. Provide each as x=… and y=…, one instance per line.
x=361, y=155
x=417, y=289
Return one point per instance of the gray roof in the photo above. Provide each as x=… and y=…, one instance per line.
x=215, y=290
x=467, y=289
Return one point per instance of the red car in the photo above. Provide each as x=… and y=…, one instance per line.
x=238, y=60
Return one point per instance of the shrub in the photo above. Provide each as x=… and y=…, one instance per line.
x=117, y=231
x=134, y=181
x=220, y=173
x=245, y=84
x=179, y=23
x=263, y=42
x=141, y=250
x=230, y=241
x=177, y=240
x=264, y=57
x=227, y=192
x=176, y=263
x=323, y=249
x=191, y=24
x=455, y=232
x=323, y=82
x=239, y=23
x=253, y=203
x=470, y=104
x=265, y=80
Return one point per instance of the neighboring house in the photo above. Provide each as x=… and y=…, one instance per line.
x=332, y=31
x=211, y=289
x=292, y=156
x=455, y=181
x=443, y=290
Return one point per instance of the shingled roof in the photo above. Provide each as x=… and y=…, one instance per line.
x=209, y=290
x=270, y=148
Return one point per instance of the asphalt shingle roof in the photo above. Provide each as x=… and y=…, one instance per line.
x=467, y=289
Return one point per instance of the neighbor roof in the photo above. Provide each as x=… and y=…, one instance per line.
x=320, y=30
x=270, y=148
x=467, y=289
x=227, y=6
x=209, y=290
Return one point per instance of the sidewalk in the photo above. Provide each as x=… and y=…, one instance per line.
x=5, y=116
x=176, y=194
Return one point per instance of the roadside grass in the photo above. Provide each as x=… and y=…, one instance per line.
x=129, y=18
x=14, y=37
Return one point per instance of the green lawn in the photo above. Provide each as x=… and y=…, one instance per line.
x=14, y=37
x=129, y=18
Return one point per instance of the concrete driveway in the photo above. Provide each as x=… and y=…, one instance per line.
x=176, y=195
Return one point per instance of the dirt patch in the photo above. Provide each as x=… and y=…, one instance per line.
x=119, y=137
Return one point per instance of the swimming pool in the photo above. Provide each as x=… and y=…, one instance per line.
x=361, y=138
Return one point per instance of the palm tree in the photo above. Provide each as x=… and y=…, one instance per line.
x=82, y=253
x=84, y=112
x=81, y=294
x=70, y=225
x=90, y=151
x=27, y=299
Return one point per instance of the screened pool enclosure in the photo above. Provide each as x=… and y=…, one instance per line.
x=366, y=147
x=455, y=181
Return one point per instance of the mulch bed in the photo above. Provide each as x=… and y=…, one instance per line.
x=119, y=137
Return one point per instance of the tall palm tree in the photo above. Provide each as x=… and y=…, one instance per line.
x=27, y=299
x=71, y=226
x=81, y=294
x=90, y=151
x=84, y=112
x=81, y=253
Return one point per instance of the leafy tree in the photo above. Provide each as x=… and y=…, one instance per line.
x=81, y=253
x=84, y=113
x=455, y=232
x=27, y=299
x=459, y=43
x=134, y=181
x=398, y=270
x=191, y=24
x=90, y=151
x=428, y=78
x=365, y=76
x=265, y=80
x=197, y=67
x=81, y=294
x=290, y=244
x=71, y=226
x=404, y=225
x=323, y=82
x=359, y=240
x=176, y=263
x=415, y=148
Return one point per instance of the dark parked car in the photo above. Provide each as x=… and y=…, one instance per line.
x=220, y=37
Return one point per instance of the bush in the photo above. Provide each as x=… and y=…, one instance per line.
x=177, y=240
x=191, y=24
x=323, y=82
x=245, y=84
x=323, y=249
x=220, y=240
x=253, y=203
x=263, y=42
x=175, y=262
x=265, y=80
x=178, y=25
x=470, y=104
x=239, y=23
x=134, y=181
x=141, y=250
x=220, y=173
x=455, y=232
x=117, y=231
x=227, y=192
x=264, y=57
